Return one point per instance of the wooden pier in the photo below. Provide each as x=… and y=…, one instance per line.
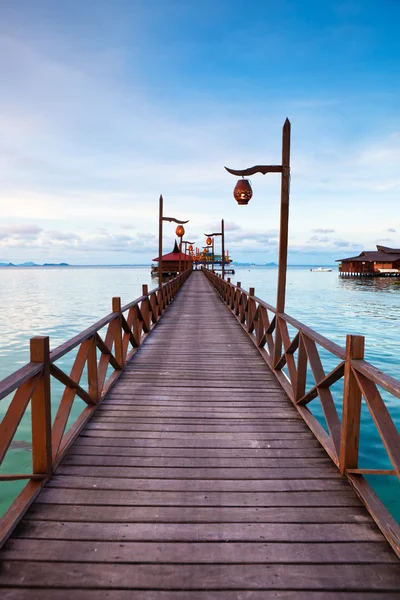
x=196, y=476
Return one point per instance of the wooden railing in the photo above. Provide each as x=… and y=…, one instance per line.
x=292, y=350
x=125, y=329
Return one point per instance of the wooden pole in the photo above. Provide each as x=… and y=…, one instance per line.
x=119, y=354
x=351, y=414
x=180, y=254
x=212, y=254
x=283, y=234
x=223, y=248
x=184, y=260
x=41, y=408
x=160, y=221
x=93, y=381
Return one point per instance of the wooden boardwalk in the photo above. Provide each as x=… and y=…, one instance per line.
x=197, y=479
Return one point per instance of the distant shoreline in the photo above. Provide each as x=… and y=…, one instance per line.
x=29, y=265
x=146, y=265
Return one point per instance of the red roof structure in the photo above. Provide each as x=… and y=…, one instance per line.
x=174, y=255
x=173, y=262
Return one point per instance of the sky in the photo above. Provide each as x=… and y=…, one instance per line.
x=105, y=105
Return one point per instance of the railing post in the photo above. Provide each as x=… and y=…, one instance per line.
x=145, y=307
x=250, y=310
x=41, y=408
x=351, y=415
x=119, y=354
x=93, y=382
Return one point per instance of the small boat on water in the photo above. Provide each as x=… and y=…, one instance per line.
x=321, y=270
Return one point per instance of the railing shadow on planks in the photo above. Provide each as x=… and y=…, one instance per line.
x=126, y=329
x=270, y=333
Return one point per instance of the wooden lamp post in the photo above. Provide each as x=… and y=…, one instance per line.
x=210, y=242
x=243, y=193
x=222, y=234
x=205, y=254
x=161, y=218
x=186, y=242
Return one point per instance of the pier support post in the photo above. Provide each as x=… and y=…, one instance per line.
x=349, y=439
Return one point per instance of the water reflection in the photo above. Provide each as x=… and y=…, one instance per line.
x=370, y=284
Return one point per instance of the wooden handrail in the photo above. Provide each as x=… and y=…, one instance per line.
x=127, y=327
x=263, y=323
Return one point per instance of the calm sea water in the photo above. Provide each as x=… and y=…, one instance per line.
x=61, y=302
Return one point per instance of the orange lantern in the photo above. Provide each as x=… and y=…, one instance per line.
x=180, y=231
x=208, y=241
x=242, y=192
x=190, y=248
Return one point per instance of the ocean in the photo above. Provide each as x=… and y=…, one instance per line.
x=62, y=301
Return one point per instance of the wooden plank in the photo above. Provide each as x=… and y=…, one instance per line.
x=177, y=552
x=383, y=577
x=126, y=498
x=196, y=414
x=122, y=479
x=183, y=514
x=164, y=433
x=198, y=462
x=201, y=532
x=19, y=593
x=285, y=432
x=198, y=441
x=121, y=447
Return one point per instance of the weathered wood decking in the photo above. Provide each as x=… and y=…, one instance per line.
x=196, y=479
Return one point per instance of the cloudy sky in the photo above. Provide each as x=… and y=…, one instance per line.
x=106, y=104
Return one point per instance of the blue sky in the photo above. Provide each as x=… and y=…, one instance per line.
x=105, y=105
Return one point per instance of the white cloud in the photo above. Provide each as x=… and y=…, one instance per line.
x=85, y=154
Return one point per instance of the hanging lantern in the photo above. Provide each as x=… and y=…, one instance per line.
x=242, y=192
x=180, y=231
x=208, y=241
x=190, y=248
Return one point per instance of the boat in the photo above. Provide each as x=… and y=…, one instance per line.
x=321, y=270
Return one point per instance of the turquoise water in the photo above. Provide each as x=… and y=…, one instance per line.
x=61, y=302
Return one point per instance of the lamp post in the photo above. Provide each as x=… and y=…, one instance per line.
x=161, y=218
x=180, y=232
x=243, y=193
x=186, y=242
x=210, y=242
x=222, y=234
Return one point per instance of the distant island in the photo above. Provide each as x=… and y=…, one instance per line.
x=32, y=264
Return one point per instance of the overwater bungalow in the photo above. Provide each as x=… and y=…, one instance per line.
x=170, y=262
x=382, y=262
